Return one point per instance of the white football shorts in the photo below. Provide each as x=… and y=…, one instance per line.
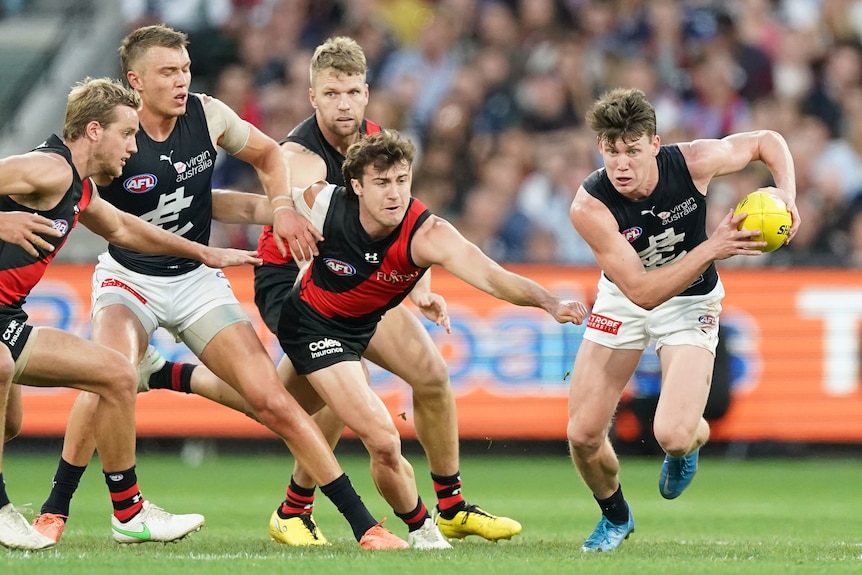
x=194, y=306
x=617, y=323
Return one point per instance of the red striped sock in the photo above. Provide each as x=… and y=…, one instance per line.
x=415, y=518
x=448, y=490
x=126, y=496
x=299, y=500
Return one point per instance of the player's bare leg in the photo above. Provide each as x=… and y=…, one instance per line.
x=598, y=379
x=687, y=375
x=14, y=411
x=342, y=387
x=66, y=359
x=15, y=531
x=256, y=380
x=402, y=346
x=679, y=426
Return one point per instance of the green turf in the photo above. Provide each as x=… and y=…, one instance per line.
x=759, y=517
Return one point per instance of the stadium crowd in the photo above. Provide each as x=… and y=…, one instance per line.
x=493, y=93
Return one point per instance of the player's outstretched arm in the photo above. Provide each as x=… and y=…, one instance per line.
x=127, y=231
x=438, y=242
x=232, y=207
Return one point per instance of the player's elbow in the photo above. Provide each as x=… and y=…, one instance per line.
x=642, y=298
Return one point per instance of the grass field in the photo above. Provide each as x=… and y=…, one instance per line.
x=742, y=517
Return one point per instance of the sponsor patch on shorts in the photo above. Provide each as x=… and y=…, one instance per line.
x=605, y=324
x=112, y=282
x=326, y=346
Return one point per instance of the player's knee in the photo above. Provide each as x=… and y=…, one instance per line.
x=583, y=442
x=431, y=381
x=13, y=425
x=122, y=385
x=269, y=409
x=384, y=446
x=675, y=440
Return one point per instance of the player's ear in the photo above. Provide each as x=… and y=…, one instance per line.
x=93, y=129
x=356, y=186
x=133, y=80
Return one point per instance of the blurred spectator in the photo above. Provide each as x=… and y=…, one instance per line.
x=563, y=160
x=752, y=64
x=839, y=71
x=422, y=74
x=491, y=218
x=715, y=107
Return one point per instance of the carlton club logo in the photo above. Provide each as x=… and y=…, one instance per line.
x=140, y=184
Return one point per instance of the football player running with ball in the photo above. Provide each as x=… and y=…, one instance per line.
x=644, y=217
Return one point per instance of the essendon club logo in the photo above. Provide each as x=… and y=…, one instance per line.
x=140, y=183
x=605, y=324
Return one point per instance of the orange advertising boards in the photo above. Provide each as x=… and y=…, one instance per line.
x=793, y=338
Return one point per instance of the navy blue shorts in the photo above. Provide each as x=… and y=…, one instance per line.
x=272, y=283
x=14, y=330
x=313, y=342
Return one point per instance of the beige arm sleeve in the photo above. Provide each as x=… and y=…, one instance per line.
x=226, y=128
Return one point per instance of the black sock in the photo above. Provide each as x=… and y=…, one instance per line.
x=4, y=499
x=347, y=501
x=449, y=498
x=175, y=376
x=66, y=480
x=615, y=507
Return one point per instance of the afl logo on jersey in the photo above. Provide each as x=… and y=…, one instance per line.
x=140, y=183
x=339, y=267
x=632, y=234
x=61, y=226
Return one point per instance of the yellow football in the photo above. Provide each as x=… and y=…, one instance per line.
x=767, y=213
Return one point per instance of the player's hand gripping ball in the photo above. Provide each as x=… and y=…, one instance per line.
x=767, y=213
